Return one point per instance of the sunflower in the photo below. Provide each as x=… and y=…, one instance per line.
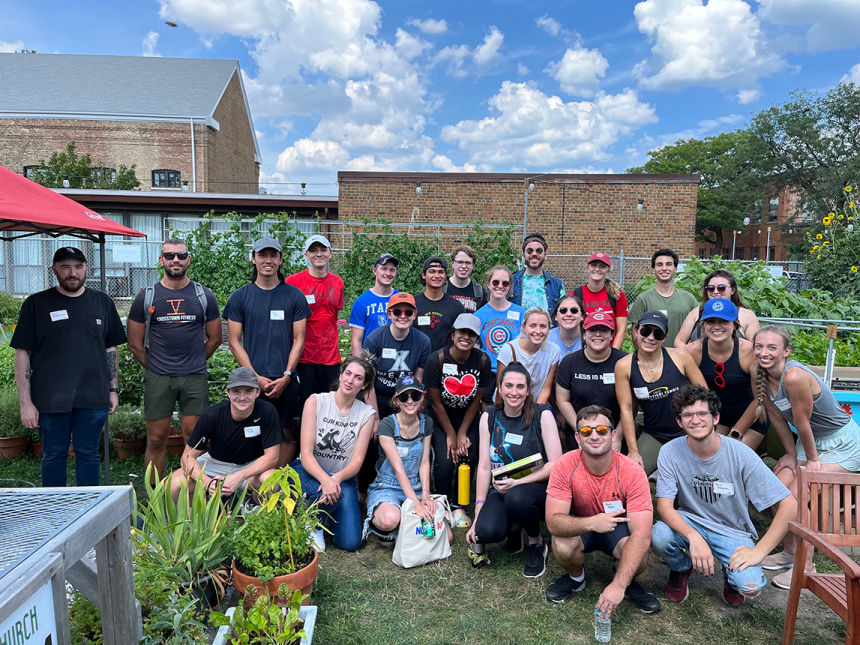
x=854, y=269
x=827, y=220
x=819, y=237
x=848, y=189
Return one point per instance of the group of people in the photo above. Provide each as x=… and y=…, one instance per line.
x=511, y=370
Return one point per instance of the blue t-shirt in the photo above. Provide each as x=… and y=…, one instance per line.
x=499, y=327
x=396, y=357
x=267, y=317
x=555, y=338
x=369, y=312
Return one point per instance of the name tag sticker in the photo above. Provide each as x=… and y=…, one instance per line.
x=609, y=378
x=614, y=505
x=389, y=352
x=403, y=451
x=781, y=404
x=98, y=321
x=276, y=314
x=513, y=315
x=640, y=392
x=252, y=431
x=62, y=314
x=724, y=488
x=516, y=439
x=311, y=298
x=450, y=369
x=665, y=312
x=423, y=320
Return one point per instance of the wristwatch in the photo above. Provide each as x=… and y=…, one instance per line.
x=288, y=373
x=734, y=434
x=115, y=389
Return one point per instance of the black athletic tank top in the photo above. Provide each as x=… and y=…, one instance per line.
x=729, y=381
x=654, y=398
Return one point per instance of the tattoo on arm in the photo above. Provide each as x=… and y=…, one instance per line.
x=27, y=369
x=112, y=366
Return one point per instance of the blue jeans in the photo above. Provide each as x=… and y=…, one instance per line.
x=344, y=512
x=669, y=545
x=56, y=430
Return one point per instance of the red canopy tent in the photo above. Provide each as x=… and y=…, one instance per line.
x=31, y=209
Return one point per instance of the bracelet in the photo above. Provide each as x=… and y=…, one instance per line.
x=424, y=490
x=479, y=501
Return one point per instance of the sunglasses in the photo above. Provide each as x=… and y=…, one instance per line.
x=167, y=255
x=402, y=312
x=586, y=431
x=501, y=283
x=536, y=251
x=717, y=287
x=564, y=310
x=403, y=397
x=647, y=330
x=720, y=371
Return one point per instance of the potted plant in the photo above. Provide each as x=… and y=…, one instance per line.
x=14, y=437
x=185, y=538
x=128, y=431
x=175, y=440
x=266, y=621
x=275, y=546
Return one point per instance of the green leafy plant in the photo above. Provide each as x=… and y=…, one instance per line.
x=219, y=366
x=127, y=424
x=85, y=621
x=7, y=365
x=833, y=262
x=266, y=622
x=10, y=307
x=80, y=172
x=130, y=378
x=10, y=415
x=174, y=624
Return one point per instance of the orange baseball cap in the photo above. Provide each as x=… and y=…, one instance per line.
x=401, y=298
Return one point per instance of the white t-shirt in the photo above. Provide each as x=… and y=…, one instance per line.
x=537, y=365
x=337, y=433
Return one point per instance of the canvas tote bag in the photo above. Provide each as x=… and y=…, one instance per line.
x=412, y=549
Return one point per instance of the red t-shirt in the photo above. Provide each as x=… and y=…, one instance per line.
x=599, y=301
x=625, y=481
x=325, y=298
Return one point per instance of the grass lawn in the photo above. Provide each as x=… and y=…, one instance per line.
x=364, y=599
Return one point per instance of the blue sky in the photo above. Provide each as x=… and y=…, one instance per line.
x=489, y=85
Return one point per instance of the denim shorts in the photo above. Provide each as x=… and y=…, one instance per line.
x=842, y=447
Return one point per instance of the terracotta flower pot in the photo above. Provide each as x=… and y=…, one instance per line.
x=127, y=448
x=175, y=444
x=12, y=447
x=302, y=579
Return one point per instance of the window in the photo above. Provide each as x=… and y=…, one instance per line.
x=103, y=174
x=773, y=210
x=739, y=253
x=166, y=179
x=727, y=252
x=754, y=253
x=30, y=172
x=702, y=253
x=771, y=253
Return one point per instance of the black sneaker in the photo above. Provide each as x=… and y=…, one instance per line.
x=515, y=542
x=561, y=589
x=536, y=563
x=639, y=596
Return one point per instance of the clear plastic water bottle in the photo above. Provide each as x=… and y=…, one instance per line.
x=602, y=627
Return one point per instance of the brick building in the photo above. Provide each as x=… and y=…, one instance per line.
x=578, y=214
x=178, y=119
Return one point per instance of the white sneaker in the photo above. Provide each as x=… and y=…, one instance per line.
x=319, y=540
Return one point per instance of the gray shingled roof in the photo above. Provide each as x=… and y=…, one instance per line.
x=112, y=85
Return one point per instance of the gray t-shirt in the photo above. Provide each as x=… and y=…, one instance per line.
x=676, y=307
x=337, y=433
x=715, y=493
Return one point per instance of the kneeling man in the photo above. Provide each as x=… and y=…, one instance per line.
x=237, y=441
x=599, y=500
x=714, y=479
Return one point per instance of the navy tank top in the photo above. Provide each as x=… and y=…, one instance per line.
x=731, y=384
x=654, y=398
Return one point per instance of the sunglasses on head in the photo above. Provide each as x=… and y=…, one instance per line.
x=564, y=310
x=647, y=330
x=167, y=255
x=397, y=312
x=501, y=283
x=403, y=397
x=717, y=287
x=586, y=431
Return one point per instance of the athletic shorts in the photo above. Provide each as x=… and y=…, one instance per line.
x=161, y=392
x=214, y=468
x=605, y=542
x=842, y=447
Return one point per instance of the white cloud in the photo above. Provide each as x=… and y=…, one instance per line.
x=409, y=46
x=833, y=24
x=533, y=129
x=718, y=44
x=853, y=75
x=444, y=164
x=11, y=48
x=578, y=70
x=150, y=42
x=746, y=97
x=522, y=70
x=549, y=25
x=487, y=51
x=429, y=26
x=456, y=58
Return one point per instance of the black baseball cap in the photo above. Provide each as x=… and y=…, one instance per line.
x=66, y=252
x=656, y=318
x=386, y=258
x=435, y=261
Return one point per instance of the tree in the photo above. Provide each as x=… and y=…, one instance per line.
x=80, y=172
x=727, y=182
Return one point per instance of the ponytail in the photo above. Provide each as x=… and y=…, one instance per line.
x=613, y=289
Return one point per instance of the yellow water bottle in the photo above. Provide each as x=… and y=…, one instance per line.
x=464, y=483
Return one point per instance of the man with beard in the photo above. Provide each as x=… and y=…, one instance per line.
x=66, y=368
x=599, y=500
x=174, y=327
x=534, y=287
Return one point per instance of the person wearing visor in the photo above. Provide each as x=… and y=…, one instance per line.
x=725, y=361
x=369, y=309
x=647, y=379
x=534, y=287
x=436, y=309
x=601, y=293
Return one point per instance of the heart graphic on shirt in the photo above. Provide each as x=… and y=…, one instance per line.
x=461, y=386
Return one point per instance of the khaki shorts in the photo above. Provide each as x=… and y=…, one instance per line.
x=214, y=468
x=161, y=392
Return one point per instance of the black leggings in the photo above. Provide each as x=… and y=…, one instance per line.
x=524, y=505
x=443, y=467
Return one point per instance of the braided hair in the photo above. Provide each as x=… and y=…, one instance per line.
x=761, y=373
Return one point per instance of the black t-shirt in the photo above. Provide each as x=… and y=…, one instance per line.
x=267, y=317
x=177, y=345
x=590, y=383
x=237, y=442
x=511, y=440
x=394, y=358
x=457, y=383
x=436, y=317
x=67, y=337
x=466, y=295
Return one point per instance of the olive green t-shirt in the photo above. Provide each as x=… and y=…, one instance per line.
x=676, y=307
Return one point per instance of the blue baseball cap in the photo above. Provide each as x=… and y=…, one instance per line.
x=721, y=308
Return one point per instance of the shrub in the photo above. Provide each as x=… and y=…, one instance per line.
x=127, y=424
x=10, y=307
x=7, y=366
x=833, y=262
x=10, y=415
